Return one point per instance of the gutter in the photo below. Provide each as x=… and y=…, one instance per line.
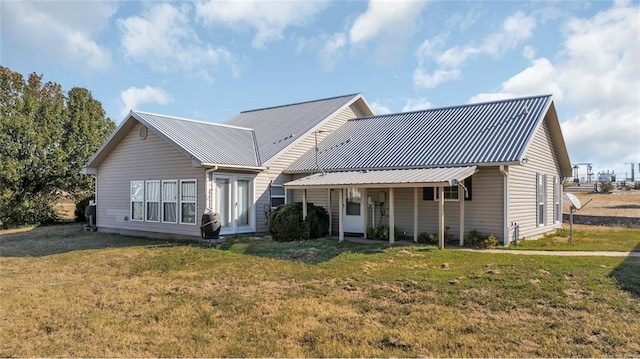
x=505, y=210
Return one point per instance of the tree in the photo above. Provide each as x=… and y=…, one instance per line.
x=45, y=138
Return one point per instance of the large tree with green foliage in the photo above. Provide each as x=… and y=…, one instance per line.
x=46, y=136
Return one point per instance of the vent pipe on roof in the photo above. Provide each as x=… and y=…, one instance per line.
x=315, y=133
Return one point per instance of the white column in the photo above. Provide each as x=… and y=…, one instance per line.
x=304, y=203
x=364, y=205
x=392, y=216
x=461, y=198
x=329, y=208
x=441, y=218
x=341, y=215
x=415, y=214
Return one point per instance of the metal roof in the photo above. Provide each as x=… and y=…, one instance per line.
x=278, y=127
x=207, y=143
x=474, y=134
x=384, y=178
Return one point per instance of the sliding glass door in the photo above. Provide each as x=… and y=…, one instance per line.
x=232, y=197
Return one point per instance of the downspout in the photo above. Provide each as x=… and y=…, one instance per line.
x=505, y=211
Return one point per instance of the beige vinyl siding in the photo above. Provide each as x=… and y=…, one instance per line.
x=135, y=159
x=542, y=159
x=279, y=164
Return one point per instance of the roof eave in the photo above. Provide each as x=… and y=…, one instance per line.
x=219, y=166
x=482, y=164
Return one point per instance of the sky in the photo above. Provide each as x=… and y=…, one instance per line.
x=209, y=60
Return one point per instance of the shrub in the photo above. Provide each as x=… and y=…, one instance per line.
x=286, y=223
x=431, y=238
x=490, y=242
x=381, y=233
x=606, y=187
x=636, y=185
x=80, y=207
x=473, y=238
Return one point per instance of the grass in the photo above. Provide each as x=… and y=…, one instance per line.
x=587, y=238
x=617, y=204
x=129, y=297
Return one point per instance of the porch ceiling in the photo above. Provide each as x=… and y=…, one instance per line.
x=425, y=177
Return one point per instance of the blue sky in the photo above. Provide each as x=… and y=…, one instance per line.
x=209, y=60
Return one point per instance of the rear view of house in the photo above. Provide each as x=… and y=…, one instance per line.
x=491, y=167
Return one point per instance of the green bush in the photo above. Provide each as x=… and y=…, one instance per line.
x=606, y=187
x=80, y=207
x=286, y=223
x=381, y=233
x=431, y=238
x=490, y=242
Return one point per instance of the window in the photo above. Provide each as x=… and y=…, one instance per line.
x=557, y=202
x=277, y=195
x=450, y=193
x=541, y=193
x=353, y=199
x=137, y=200
x=152, y=193
x=170, y=201
x=188, y=201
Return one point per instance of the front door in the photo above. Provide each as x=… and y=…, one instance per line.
x=354, y=209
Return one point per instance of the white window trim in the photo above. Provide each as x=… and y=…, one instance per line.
x=557, y=200
x=146, y=201
x=283, y=196
x=163, y=200
x=131, y=201
x=542, y=188
x=195, y=219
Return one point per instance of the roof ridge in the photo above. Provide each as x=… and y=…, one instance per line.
x=452, y=107
x=192, y=120
x=301, y=103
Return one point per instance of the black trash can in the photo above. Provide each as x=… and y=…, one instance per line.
x=90, y=215
x=210, y=228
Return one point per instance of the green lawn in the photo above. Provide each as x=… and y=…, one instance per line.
x=587, y=238
x=128, y=297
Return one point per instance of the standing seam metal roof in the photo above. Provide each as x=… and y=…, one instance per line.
x=492, y=132
x=278, y=127
x=208, y=143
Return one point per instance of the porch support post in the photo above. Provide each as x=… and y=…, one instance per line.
x=341, y=215
x=329, y=209
x=364, y=205
x=304, y=203
x=461, y=197
x=441, y=218
x=415, y=214
x=392, y=216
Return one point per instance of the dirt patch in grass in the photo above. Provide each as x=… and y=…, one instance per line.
x=618, y=203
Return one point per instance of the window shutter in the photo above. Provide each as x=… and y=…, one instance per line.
x=427, y=194
x=468, y=184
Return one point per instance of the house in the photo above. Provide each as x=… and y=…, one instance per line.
x=494, y=167
x=156, y=174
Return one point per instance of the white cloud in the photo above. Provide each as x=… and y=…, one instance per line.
x=385, y=16
x=330, y=52
x=417, y=104
x=267, y=18
x=423, y=79
x=58, y=31
x=538, y=79
x=515, y=29
x=596, y=76
x=134, y=97
x=379, y=109
x=164, y=39
x=529, y=52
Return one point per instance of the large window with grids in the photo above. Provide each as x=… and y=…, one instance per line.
x=188, y=190
x=541, y=199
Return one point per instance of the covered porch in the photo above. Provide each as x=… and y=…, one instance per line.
x=388, y=181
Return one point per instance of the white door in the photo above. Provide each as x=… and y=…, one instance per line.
x=232, y=197
x=353, y=211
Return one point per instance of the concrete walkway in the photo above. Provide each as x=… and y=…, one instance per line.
x=556, y=253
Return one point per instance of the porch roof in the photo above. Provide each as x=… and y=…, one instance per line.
x=424, y=177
